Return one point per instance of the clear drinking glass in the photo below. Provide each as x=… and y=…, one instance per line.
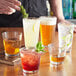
x=65, y=31
x=57, y=54
x=31, y=31
x=47, y=29
x=12, y=43
x=30, y=60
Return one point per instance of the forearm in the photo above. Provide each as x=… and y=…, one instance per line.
x=56, y=7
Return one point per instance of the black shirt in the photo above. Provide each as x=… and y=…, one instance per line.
x=34, y=8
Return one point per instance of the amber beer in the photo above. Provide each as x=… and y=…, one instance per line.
x=47, y=34
x=47, y=30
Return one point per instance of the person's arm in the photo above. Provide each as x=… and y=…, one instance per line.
x=56, y=7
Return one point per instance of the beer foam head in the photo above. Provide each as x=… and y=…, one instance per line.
x=48, y=20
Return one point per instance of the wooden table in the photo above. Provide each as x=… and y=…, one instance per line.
x=67, y=69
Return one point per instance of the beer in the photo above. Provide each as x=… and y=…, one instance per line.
x=47, y=34
x=47, y=30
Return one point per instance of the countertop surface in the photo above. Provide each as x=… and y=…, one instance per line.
x=68, y=68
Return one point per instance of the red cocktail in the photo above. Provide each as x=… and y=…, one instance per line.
x=30, y=60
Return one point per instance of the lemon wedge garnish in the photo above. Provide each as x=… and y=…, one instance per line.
x=33, y=28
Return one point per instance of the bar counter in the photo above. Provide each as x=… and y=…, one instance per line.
x=66, y=69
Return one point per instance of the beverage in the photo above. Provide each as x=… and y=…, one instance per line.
x=67, y=8
x=57, y=54
x=47, y=34
x=31, y=32
x=11, y=46
x=30, y=60
x=47, y=30
x=74, y=8
x=12, y=43
x=66, y=35
x=55, y=58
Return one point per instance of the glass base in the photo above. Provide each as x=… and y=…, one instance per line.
x=29, y=72
x=69, y=50
x=11, y=55
x=56, y=63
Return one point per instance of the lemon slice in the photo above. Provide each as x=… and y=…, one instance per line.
x=69, y=38
x=34, y=27
x=64, y=38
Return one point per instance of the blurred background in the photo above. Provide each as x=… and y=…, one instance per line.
x=69, y=10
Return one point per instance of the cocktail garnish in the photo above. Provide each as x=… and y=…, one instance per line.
x=23, y=11
x=39, y=47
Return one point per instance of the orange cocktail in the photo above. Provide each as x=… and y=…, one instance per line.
x=12, y=43
x=11, y=46
x=47, y=30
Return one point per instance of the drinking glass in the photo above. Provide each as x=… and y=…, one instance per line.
x=30, y=60
x=12, y=43
x=57, y=54
x=65, y=31
x=47, y=29
x=31, y=31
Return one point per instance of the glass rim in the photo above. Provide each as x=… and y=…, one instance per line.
x=48, y=17
x=26, y=49
x=6, y=33
x=66, y=24
x=55, y=45
x=11, y=32
x=31, y=18
x=48, y=20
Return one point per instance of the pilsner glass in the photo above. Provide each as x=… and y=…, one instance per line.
x=47, y=30
x=31, y=31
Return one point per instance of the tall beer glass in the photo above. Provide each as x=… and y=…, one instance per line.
x=47, y=29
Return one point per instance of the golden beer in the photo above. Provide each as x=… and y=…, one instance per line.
x=47, y=30
x=47, y=34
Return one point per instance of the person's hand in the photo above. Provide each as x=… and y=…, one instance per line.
x=75, y=29
x=9, y=6
x=60, y=19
